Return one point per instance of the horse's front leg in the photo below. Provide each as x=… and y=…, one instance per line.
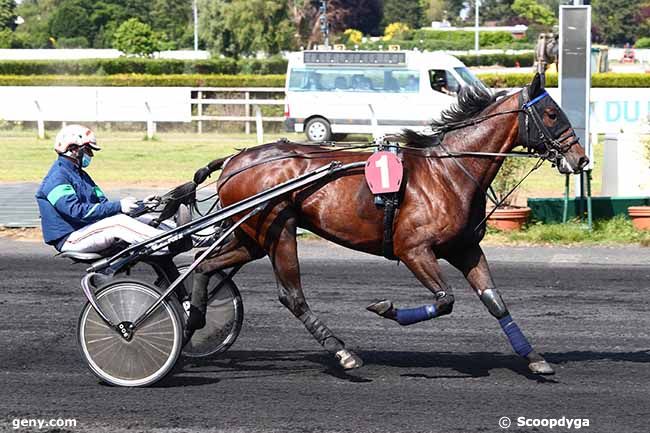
x=472, y=263
x=424, y=265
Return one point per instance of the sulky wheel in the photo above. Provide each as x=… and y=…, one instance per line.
x=223, y=319
x=154, y=347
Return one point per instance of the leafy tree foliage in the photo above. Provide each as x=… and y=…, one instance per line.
x=7, y=15
x=403, y=11
x=135, y=37
x=534, y=12
x=618, y=21
x=71, y=20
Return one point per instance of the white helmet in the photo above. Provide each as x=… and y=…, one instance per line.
x=76, y=135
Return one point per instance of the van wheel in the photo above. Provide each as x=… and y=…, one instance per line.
x=318, y=129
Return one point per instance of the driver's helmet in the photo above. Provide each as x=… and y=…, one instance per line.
x=74, y=135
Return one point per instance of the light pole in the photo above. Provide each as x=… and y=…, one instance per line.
x=324, y=25
x=195, y=13
x=477, y=3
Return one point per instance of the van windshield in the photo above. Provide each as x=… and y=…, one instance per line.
x=384, y=80
x=467, y=75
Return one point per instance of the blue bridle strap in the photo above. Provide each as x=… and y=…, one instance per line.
x=537, y=99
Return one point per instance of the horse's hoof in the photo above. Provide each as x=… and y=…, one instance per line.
x=383, y=308
x=541, y=367
x=348, y=360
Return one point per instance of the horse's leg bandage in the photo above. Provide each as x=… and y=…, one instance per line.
x=518, y=341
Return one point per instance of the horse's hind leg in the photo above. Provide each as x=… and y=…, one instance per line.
x=283, y=252
x=238, y=251
x=472, y=263
x=424, y=265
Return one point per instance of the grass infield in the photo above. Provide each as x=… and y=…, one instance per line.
x=172, y=158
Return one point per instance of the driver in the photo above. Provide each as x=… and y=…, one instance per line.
x=76, y=215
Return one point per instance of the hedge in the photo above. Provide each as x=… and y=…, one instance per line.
x=278, y=80
x=132, y=65
x=609, y=79
x=273, y=65
x=140, y=80
x=508, y=60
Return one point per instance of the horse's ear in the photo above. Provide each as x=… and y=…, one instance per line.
x=535, y=87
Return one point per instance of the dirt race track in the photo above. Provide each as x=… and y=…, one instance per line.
x=585, y=309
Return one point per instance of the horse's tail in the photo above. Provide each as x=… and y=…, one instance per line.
x=204, y=172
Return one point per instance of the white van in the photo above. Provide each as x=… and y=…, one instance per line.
x=333, y=93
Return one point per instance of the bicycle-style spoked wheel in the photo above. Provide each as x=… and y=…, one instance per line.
x=154, y=347
x=224, y=318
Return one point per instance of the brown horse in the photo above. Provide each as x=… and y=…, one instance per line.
x=442, y=203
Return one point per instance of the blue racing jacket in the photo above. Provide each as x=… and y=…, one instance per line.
x=68, y=199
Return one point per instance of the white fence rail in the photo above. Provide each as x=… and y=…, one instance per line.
x=203, y=99
x=150, y=105
x=613, y=109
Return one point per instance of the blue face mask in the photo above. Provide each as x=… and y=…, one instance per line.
x=85, y=160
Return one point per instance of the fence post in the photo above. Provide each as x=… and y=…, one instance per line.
x=40, y=123
x=200, y=111
x=151, y=125
x=247, y=111
x=259, y=127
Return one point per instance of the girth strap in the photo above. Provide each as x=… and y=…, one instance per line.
x=391, y=203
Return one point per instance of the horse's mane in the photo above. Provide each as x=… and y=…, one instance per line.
x=472, y=100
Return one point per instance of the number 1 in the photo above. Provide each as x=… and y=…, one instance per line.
x=382, y=165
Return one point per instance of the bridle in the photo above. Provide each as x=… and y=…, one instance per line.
x=554, y=145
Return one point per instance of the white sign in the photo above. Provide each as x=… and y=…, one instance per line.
x=615, y=109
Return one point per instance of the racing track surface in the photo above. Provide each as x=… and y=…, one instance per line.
x=585, y=309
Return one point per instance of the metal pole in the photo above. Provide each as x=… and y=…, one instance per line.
x=195, y=13
x=589, y=210
x=565, y=210
x=477, y=3
x=199, y=108
x=247, y=112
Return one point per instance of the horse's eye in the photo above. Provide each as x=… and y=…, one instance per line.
x=552, y=115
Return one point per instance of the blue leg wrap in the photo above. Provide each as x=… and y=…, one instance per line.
x=517, y=340
x=409, y=316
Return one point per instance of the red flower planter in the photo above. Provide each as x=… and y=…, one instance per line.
x=640, y=216
x=509, y=219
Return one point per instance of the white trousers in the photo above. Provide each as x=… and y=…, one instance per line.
x=103, y=234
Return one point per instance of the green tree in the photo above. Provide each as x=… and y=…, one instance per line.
x=217, y=38
x=7, y=14
x=136, y=38
x=173, y=19
x=34, y=31
x=71, y=19
x=534, y=12
x=403, y=11
x=616, y=21
x=244, y=27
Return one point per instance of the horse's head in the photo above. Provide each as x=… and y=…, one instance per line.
x=544, y=128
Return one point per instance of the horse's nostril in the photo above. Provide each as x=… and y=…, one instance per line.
x=582, y=162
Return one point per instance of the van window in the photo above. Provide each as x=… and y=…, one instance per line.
x=443, y=81
x=383, y=80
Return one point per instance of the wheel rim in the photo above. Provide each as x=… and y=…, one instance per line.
x=221, y=325
x=152, y=351
x=317, y=131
